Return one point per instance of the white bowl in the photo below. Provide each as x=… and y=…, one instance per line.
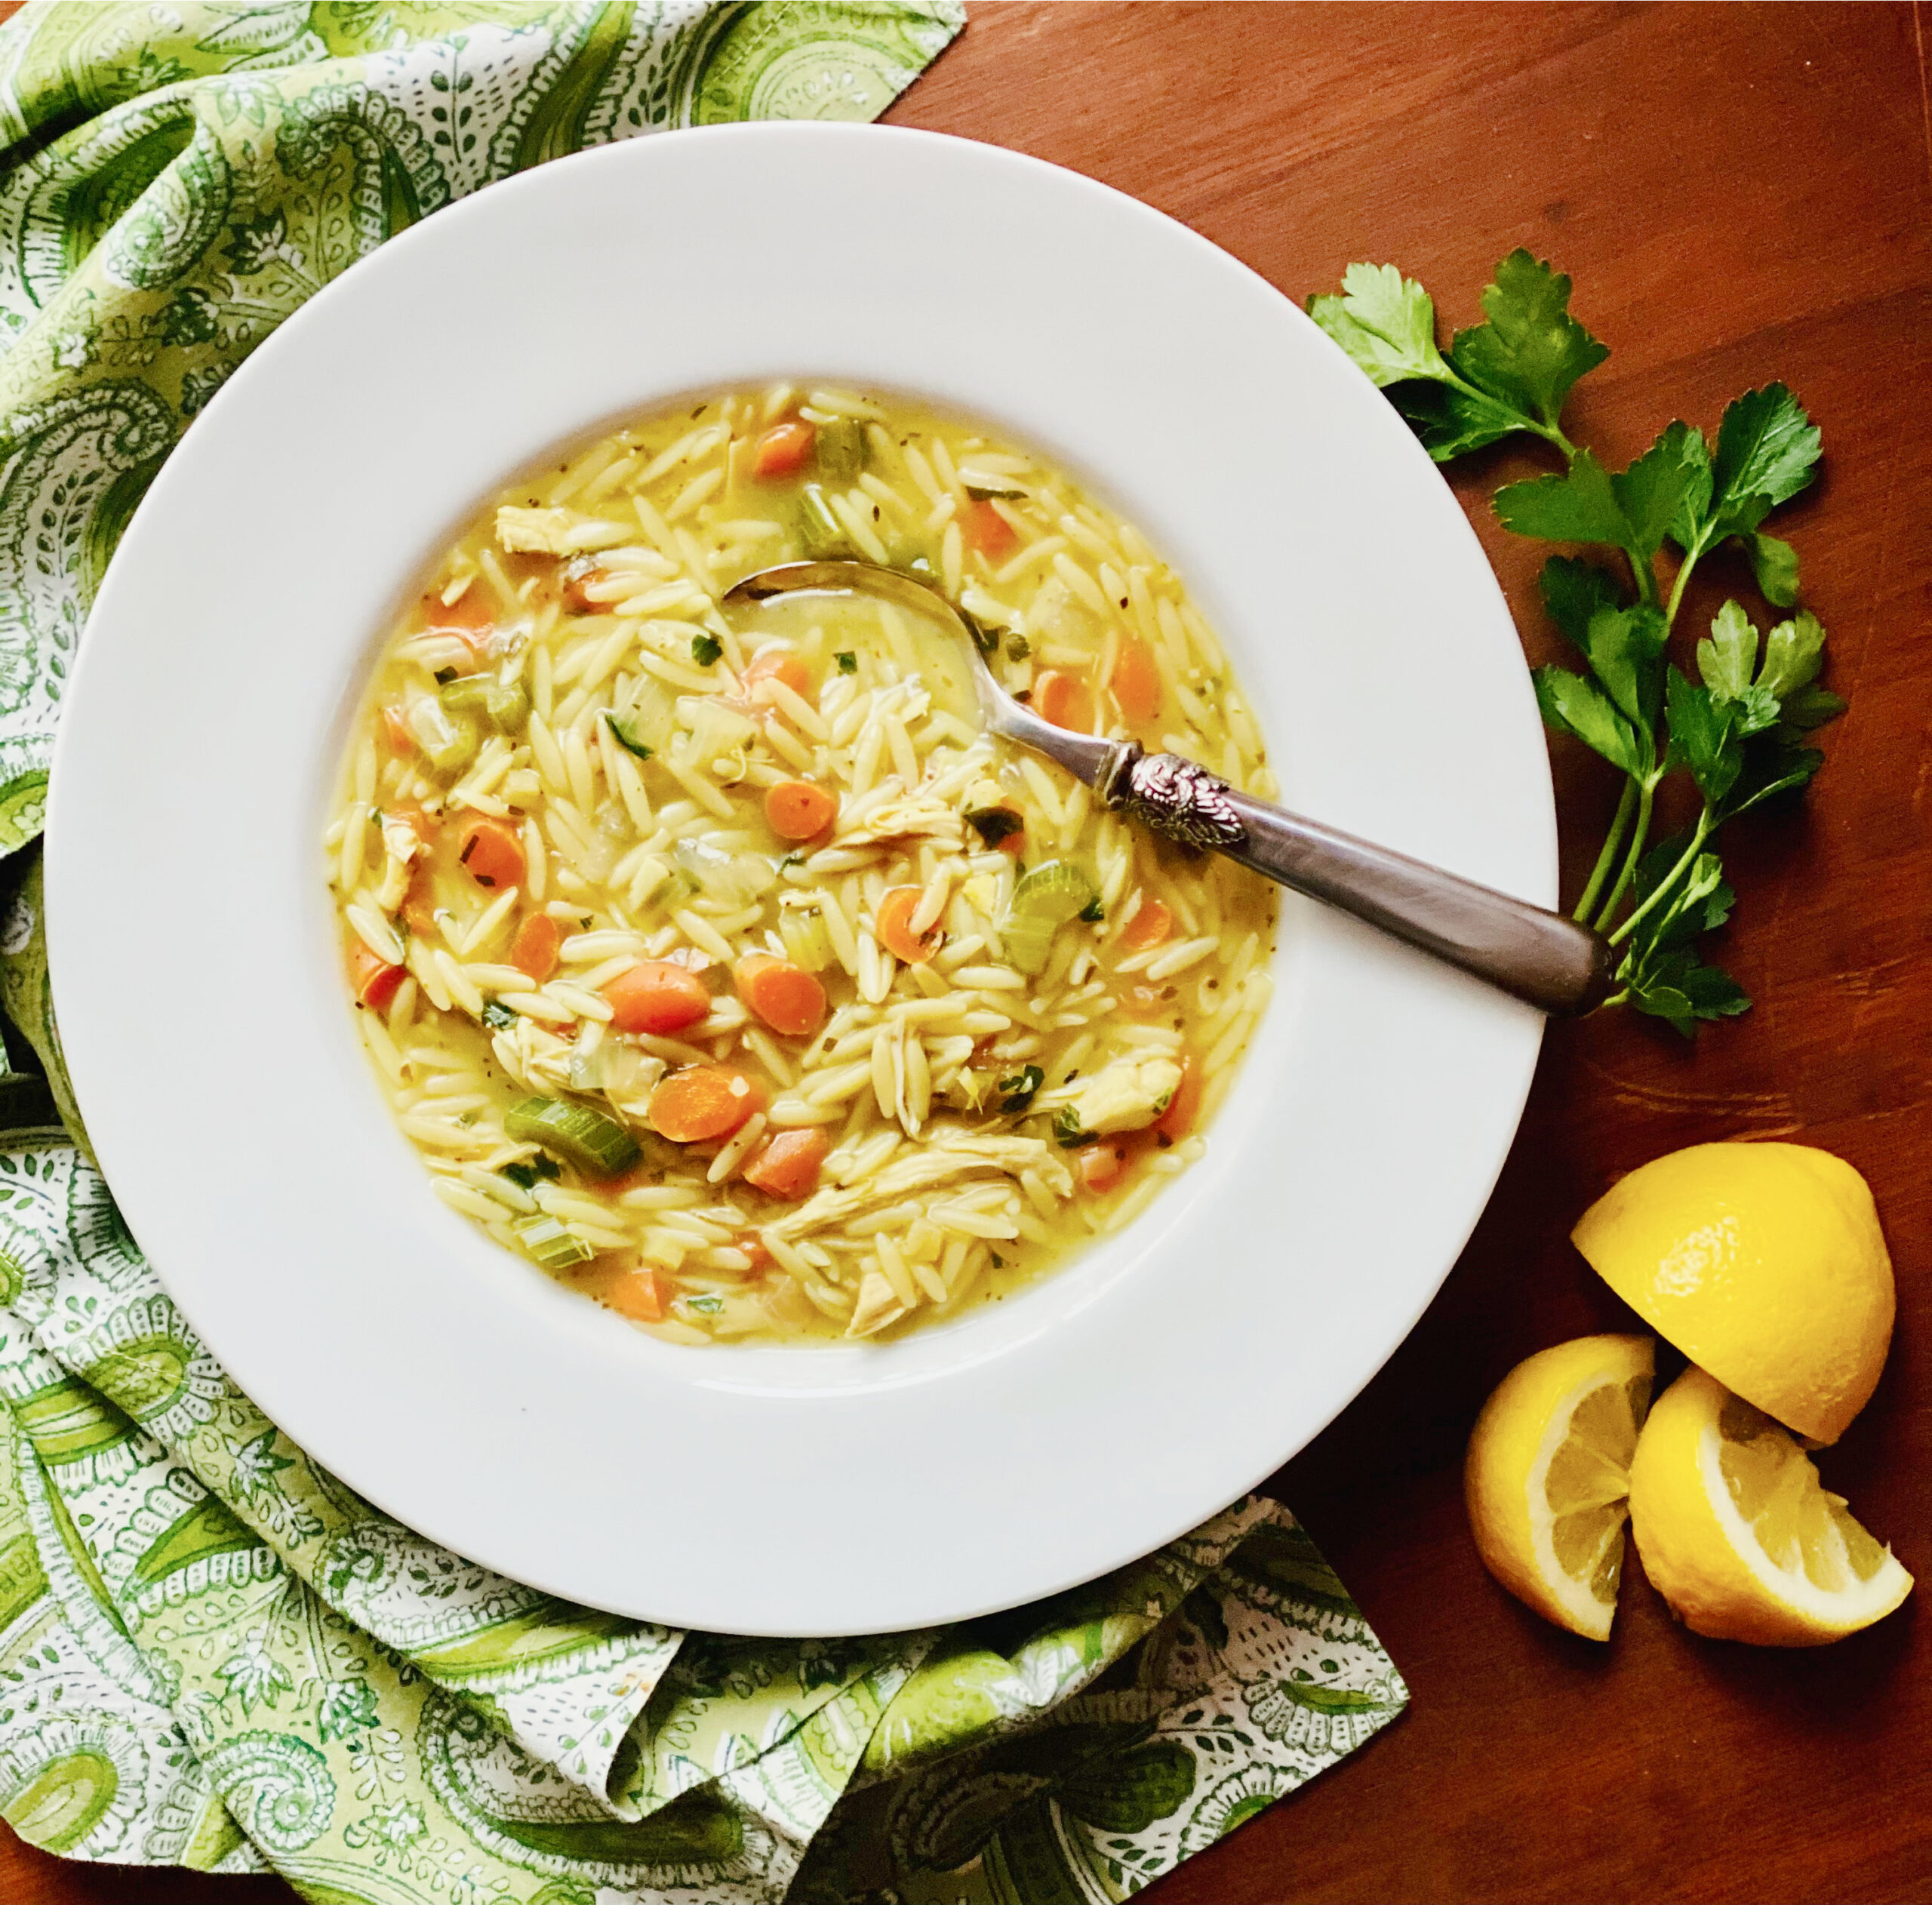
x=1031, y=1445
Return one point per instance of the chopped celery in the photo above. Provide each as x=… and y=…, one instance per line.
x=1055, y=892
x=841, y=449
x=732, y=879
x=806, y=939
x=506, y=708
x=550, y=1242
x=448, y=740
x=596, y=1145
x=823, y=534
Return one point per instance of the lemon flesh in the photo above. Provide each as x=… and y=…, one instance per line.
x=1548, y=1472
x=1764, y=1264
x=1738, y=1535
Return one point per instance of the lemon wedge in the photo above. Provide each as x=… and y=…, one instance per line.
x=1737, y=1533
x=1764, y=1264
x=1548, y=1472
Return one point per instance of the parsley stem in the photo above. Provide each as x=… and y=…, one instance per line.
x=1645, y=581
x=1647, y=793
x=1684, y=569
x=1607, y=858
x=1702, y=833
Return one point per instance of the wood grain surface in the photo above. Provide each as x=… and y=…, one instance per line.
x=1742, y=192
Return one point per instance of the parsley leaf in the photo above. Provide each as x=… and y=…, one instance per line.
x=706, y=649
x=848, y=662
x=1634, y=510
x=1767, y=447
x=1701, y=738
x=1579, y=506
x=1767, y=450
x=1386, y=322
x=1573, y=591
x=1793, y=653
x=498, y=1016
x=525, y=1175
x=1671, y=476
x=1624, y=646
x=1662, y=976
x=1573, y=705
x=1019, y=1089
x=1773, y=568
x=993, y=824
x=1067, y=1131
x=1532, y=351
x=1727, y=660
x=626, y=734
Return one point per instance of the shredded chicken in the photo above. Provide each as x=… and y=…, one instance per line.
x=556, y=531
x=877, y=1305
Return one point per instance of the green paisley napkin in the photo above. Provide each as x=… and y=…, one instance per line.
x=212, y=1654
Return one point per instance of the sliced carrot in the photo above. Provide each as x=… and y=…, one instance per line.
x=419, y=901
x=987, y=530
x=395, y=729
x=1185, y=1105
x=703, y=1101
x=534, y=949
x=1102, y=1163
x=788, y=1166
x=776, y=664
x=799, y=809
x=472, y=615
x=1149, y=927
x=782, y=450
x=894, y=927
x=1136, y=682
x=752, y=1244
x=789, y=998
x=1064, y=700
x=658, y=997
x=376, y=981
x=491, y=853
x=637, y=1293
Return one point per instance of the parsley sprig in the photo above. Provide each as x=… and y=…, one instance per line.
x=1738, y=729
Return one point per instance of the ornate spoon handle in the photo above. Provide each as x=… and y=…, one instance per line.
x=1545, y=959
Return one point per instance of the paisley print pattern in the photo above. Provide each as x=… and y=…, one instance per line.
x=213, y=1654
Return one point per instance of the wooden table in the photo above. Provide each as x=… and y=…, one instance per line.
x=1741, y=193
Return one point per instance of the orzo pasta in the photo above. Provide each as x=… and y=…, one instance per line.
x=718, y=964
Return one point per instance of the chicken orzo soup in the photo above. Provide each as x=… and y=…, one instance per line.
x=717, y=963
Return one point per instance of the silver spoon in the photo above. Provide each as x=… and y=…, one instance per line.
x=1543, y=959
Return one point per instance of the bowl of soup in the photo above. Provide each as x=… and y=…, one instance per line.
x=644, y=1089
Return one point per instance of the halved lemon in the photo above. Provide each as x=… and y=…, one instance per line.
x=1764, y=1264
x=1737, y=1533
x=1548, y=1472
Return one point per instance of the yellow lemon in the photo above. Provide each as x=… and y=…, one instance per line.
x=1764, y=1264
x=1736, y=1534
x=1547, y=1472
